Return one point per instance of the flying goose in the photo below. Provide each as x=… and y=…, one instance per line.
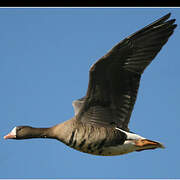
x=100, y=124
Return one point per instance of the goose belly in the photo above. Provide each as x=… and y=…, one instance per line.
x=100, y=141
x=125, y=148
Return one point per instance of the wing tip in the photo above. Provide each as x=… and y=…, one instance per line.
x=157, y=22
x=167, y=16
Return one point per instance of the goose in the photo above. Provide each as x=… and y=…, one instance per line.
x=100, y=124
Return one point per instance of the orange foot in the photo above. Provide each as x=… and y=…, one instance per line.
x=145, y=144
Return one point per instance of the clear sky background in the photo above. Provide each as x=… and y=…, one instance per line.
x=45, y=56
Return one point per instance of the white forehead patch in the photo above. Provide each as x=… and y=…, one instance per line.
x=13, y=132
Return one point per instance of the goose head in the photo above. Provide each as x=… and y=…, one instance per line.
x=27, y=132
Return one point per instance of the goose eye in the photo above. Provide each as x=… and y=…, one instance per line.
x=19, y=128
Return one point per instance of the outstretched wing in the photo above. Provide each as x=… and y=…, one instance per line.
x=114, y=78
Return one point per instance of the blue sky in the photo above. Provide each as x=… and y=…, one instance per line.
x=44, y=62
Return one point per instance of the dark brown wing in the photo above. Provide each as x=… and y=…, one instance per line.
x=114, y=79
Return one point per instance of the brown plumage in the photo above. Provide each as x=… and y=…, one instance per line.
x=100, y=125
